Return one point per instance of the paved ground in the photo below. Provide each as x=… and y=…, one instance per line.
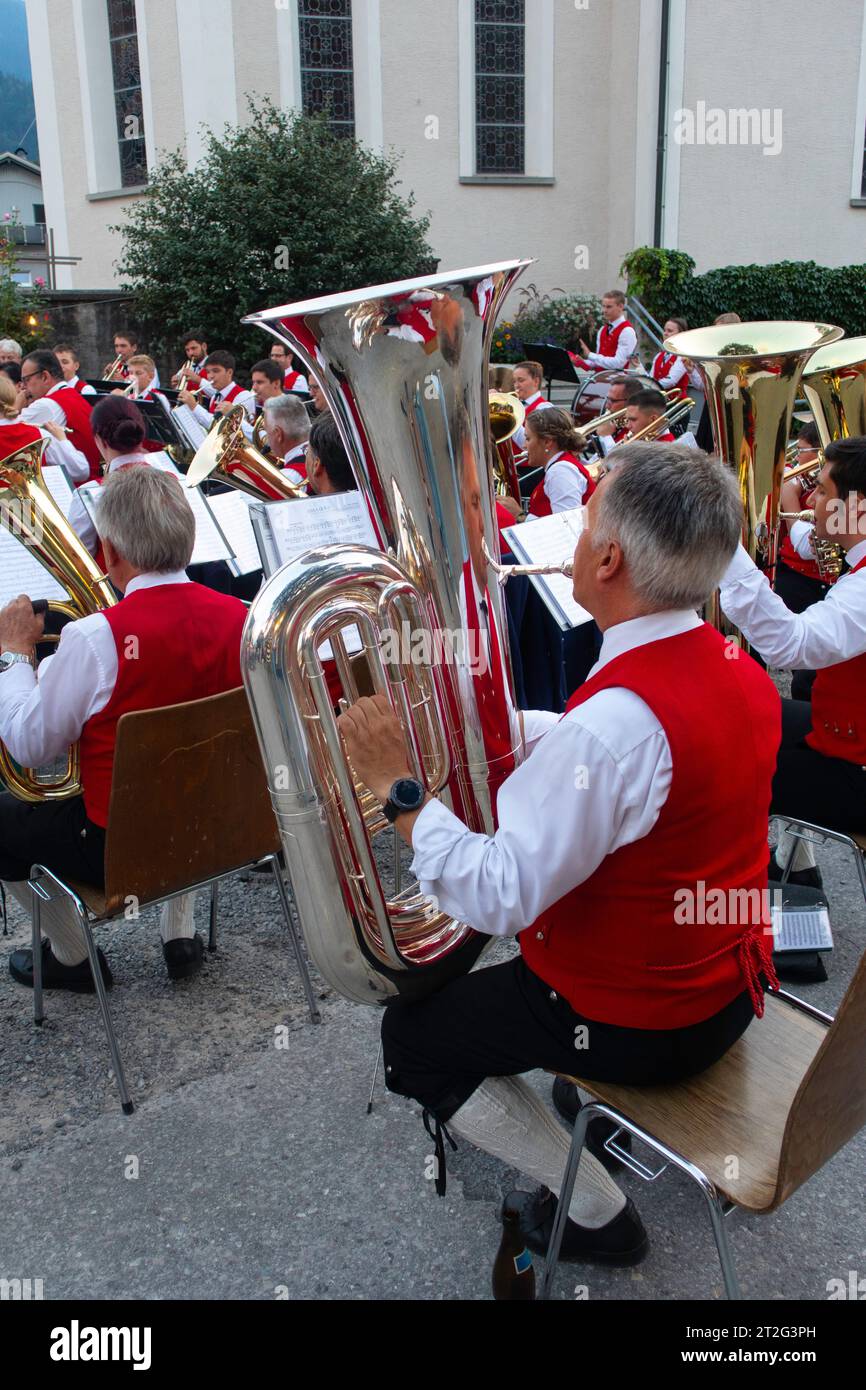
x=260, y=1174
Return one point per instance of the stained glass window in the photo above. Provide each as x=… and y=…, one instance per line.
x=327, y=83
x=126, y=75
x=500, y=97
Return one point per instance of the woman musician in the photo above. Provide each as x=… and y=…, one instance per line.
x=668, y=371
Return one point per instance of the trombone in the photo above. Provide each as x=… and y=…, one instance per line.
x=610, y=415
x=676, y=411
x=112, y=367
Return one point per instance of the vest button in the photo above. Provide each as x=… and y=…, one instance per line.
x=553, y=996
x=539, y=936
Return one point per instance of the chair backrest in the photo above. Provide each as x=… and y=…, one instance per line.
x=830, y=1105
x=189, y=798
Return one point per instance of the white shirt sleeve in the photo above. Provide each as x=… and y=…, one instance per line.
x=37, y=412
x=42, y=713
x=675, y=375
x=625, y=349
x=64, y=453
x=800, y=536
x=830, y=631
x=565, y=486
x=79, y=520
x=203, y=415
x=594, y=782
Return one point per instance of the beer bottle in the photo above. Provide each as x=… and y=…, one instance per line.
x=513, y=1274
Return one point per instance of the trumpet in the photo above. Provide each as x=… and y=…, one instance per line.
x=807, y=472
x=112, y=367
x=610, y=415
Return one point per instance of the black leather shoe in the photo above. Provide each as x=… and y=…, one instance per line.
x=55, y=975
x=623, y=1241
x=804, y=878
x=567, y=1102
x=183, y=957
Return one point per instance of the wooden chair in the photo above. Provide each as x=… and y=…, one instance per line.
x=752, y=1128
x=819, y=835
x=189, y=806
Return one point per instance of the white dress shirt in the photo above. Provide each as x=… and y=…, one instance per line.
x=206, y=418
x=595, y=780
x=294, y=456
x=42, y=712
x=300, y=385
x=540, y=402
x=60, y=452
x=626, y=347
x=86, y=390
x=800, y=536
x=678, y=370
x=830, y=631
x=564, y=484
x=79, y=517
x=46, y=408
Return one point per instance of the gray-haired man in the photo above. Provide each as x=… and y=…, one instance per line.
x=144, y=653
x=626, y=810
x=287, y=425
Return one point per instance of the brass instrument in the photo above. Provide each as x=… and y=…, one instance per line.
x=663, y=422
x=227, y=455
x=751, y=374
x=835, y=387
x=112, y=367
x=414, y=419
x=610, y=415
x=505, y=572
x=28, y=510
x=506, y=413
x=829, y=556
x=260, y=436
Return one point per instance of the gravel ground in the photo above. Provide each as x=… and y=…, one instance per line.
x=234, y=1125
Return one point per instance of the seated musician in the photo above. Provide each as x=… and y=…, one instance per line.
x=628, y=799
x=10, y=351
x=528, y=378
x=328, y=466
x=616, y=340
x=68, y=358
x=292, y=380
x=143, y=381
x=553, y=443
x=226, y=393
x=799, y=581
x=195, y=351
x=644, y=409
x=287, y=426
x=821, y=772
x=669, y=372
x=59, y=451
x=126, y=345
x=623, y=389
x=120, y=431
x=49, y=397
x=266, y=379
x=318, y=398
x=147, y=533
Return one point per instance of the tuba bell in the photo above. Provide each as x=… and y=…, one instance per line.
x=227, y=456
x=751, y=374
x=28, y=510
x=404, y=369
x=506, y=413
x=835, y=385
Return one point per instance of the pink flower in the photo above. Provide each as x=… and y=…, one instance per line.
x=6, y=217
x=40, y=281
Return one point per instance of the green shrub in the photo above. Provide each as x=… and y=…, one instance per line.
x=557, y=317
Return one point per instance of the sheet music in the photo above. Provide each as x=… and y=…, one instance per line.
x=341, y=518
x=58, y=485
x=192, y=431
x=210, y=544
x=551, y=540
x=232, y=511
x=21, y=572
x=806, y=930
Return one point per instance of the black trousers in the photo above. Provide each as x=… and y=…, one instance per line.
x=826, y=791
x=57, y=834
x=799, y=592
x=505, y=1020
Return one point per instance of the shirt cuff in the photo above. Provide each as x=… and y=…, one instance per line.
x=800, y=536
x=434, y=835
x=16, y=684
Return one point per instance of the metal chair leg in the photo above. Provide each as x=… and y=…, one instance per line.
x=102, y=997
x=375, y=1077
x=861, y=866
x=315, y=1015
x=716, y=1209
x=36, y=942
x=577, y=1142
x=214, y=905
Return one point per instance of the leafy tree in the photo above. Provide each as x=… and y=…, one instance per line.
x=277, y=210
x=22, y=309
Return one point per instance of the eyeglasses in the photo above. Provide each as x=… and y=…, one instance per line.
x=29, y=377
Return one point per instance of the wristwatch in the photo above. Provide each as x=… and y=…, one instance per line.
x=8, y=659
x=406, y=795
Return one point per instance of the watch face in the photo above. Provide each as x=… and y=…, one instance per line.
x=407, y=793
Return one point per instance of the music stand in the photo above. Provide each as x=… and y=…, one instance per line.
x=556, y=362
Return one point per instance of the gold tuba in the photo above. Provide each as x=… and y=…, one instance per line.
x=404, y=369
x=227, y=455
x=751, y=374
x=28, y=510
x=835, y=386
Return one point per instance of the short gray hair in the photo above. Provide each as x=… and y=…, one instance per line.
x=10, y=345
x=143, y=513
x=290, y=414
x=678, y=516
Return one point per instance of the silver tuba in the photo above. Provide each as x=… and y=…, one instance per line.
x=404, y=370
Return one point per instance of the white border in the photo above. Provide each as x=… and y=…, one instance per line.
x=860, y=120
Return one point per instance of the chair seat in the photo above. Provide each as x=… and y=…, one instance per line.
x=737, y=1109
x=93, y=898
x=860, y=842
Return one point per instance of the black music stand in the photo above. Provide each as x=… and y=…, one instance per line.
x=556, y=362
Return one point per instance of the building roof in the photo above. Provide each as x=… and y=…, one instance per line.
x=8, y=157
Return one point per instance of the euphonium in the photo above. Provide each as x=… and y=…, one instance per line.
x=404, y=368
x=506, y=413
x=228, y=456
x=28, y=510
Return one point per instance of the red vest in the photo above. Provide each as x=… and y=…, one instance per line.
x=290, y=378
x=539, y=502
x=230, y=393
x=608, y=338
x=662, y=365
x=162, y=659
x=17, y=436
x=539, y=401
x=839, y=708
x=504, y=519
x=77, y=410
x=79, y=386
x=619, y=947
x=787, y=552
